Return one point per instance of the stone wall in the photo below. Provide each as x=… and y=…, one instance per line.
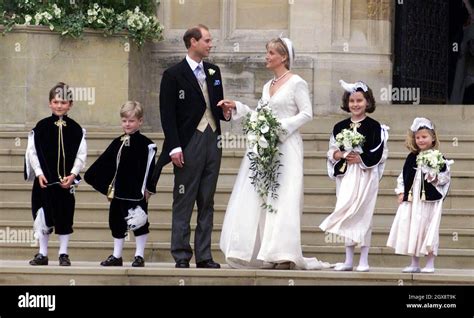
x=33, y=60
x=333, y=39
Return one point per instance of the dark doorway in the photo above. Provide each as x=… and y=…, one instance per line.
x=425, y=50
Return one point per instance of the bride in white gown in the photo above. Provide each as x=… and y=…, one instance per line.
x=252, y=237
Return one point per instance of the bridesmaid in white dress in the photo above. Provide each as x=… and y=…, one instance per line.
x=252, y=237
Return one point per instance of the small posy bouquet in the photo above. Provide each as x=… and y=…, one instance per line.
x=431, y=161
x=350, y=140
x=263, y=129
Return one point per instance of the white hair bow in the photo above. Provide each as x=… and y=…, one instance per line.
x=351, y=88
x=419, y=122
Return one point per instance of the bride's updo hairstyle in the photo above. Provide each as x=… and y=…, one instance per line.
x=281, y=47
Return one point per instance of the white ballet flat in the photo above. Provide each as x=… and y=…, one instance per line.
x=362, y=268
x=341, y=267
x=411, y=269
x=427, y=270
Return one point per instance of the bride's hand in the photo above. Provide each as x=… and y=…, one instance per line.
x=227, y=106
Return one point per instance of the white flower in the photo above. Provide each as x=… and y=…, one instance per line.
x=347, y=144
x=27, y=19
x=51, y=27
x=264, y=129
x=211, y=71
x=262, y=142
x=57, y=11
x=262, y=118
x=38, y=18
x=254, y=116
x=251, y=137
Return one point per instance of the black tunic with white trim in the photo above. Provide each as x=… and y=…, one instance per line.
x=135, y=168
x=372, y=148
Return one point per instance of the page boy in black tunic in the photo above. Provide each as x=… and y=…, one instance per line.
x=123, y=173
x=55, y=155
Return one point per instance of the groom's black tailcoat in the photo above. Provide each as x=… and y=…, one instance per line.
x=182, y=106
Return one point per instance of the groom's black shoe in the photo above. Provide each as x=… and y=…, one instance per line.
x=182, y=264
x=208, y=264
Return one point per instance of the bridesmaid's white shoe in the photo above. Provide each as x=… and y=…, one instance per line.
x=411, y=269
x=427, y=270
x=362, y=268
x=341, y=267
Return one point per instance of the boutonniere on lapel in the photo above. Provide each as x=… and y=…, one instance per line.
x=211, y=71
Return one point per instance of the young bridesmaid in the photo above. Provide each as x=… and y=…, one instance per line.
x=421, y=191
x=357, y=164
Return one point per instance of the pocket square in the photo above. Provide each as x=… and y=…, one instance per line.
x=217, y=82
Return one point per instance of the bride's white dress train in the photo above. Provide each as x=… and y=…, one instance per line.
x=252, y=237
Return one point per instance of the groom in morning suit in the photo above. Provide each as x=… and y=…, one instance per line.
x=189, y=93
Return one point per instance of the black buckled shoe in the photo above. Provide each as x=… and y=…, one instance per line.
x=112, y=261
x=138, y=262
x=208, y=264
x=39, y=259
x=64, y=260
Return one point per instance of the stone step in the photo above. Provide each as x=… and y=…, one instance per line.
x=90, y=273
x=161, y=213
x=160, y=252
x=233, y=159
x=457, y=199
x=311, y=142
x=161, y=232
x=227, y=177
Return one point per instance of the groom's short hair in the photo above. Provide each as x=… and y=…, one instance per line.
x=194, y=32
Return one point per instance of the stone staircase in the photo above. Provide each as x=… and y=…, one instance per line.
x=92, y=241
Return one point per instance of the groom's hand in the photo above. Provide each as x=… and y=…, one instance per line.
x=178, y=159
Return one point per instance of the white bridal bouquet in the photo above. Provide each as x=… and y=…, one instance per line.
x=262, y=129
x=350, y=140
x=431, y=161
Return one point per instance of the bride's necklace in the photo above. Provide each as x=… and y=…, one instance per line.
x=275, y=80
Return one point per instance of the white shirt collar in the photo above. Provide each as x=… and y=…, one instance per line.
x=193, y=64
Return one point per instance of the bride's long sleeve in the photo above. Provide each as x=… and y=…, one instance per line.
x=240, y=110
x=305, y=111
